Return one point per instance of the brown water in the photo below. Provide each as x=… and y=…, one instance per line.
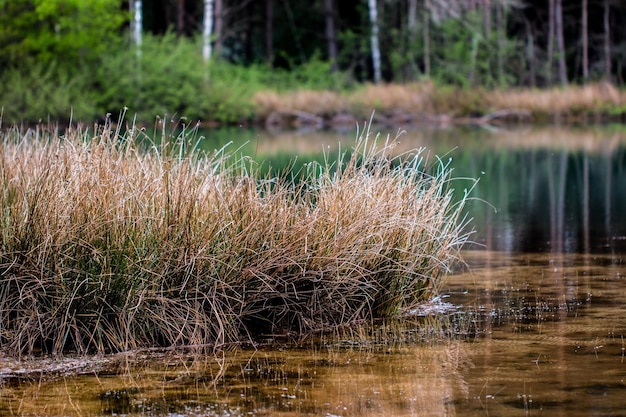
x=538, y=328
x=554, y=344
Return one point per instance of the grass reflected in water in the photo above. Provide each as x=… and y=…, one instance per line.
x=290, y=382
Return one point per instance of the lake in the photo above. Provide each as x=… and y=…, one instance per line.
x=535, y=322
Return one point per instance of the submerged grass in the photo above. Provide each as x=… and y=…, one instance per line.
x=107, y=246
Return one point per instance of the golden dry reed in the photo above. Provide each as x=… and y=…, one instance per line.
x=421, y=99
x=108, y=246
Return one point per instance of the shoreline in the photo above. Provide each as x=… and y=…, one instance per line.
x=423, y=103
x=420, y=103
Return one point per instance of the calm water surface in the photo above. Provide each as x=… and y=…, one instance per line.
x=540, y=303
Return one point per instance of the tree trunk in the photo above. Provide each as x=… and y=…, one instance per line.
x=487, y=17
x=501, y=30
x=558, y=14
x=585, y=41
x=530, y=54
x=373, y=11
x=294, y=30
x=180, y=18
x=269, y=32
x=331, y=38
x=550, y=57
x=136, y=10
x=412, y=18
x=218, y=20
x=207, y=28
x=426, y=25
x=411, y=71
x=607, y=42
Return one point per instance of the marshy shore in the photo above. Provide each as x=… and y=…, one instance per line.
x=424, y=103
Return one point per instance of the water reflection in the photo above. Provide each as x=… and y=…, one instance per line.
x=541, y=321
x=556, y=341
x=557, y=201
x=403, y=382
x=551, y=189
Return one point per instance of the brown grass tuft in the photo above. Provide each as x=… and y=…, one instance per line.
x=107, y=247
x=424, y=102
x=560, y=101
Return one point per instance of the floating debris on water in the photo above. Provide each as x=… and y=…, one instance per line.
x=433, y=307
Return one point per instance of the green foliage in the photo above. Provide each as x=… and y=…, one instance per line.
x=228, y=92
x=315, y=74
x=166, y=77
x=39, y=91
x=70, y=31
x=452, y=63
x=465, y=50
x=463, y=55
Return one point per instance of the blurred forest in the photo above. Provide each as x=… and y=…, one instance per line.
x=469, y=42
x=205, y=58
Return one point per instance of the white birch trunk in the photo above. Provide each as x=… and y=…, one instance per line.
x=331, y=39
x=136, y=23
x=412, y=18
x=206, y=30
x=373, y=9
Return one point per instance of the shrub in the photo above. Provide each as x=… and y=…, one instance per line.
x=38, y=92
x=167, y=78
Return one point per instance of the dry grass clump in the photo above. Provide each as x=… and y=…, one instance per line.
x=410, y=98
x=321, y=103
x=106, y=246
x=573, y=100
x=423, y=102
x=387, y=98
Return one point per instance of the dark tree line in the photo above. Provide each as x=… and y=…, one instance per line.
x=468, y=42
x=486, y=42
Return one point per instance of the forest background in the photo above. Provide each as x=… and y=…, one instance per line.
x=242, y=61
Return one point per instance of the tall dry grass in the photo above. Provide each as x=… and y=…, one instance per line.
x=107, y=246
x=573, y=100
x=387, y=98
x=416, y=102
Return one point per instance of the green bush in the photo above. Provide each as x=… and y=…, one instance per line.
x=464, y=55
x=37, y=92
x=166, y=76
x=315, y=74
